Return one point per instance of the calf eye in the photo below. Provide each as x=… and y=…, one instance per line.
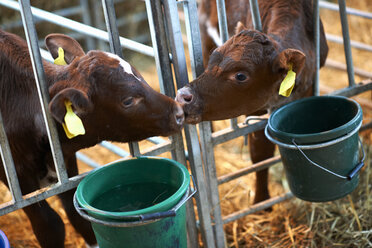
x=240, y=77
x=128, y=101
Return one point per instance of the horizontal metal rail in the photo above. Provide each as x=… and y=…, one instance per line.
x=63, y=12
x=341, y=66
x=247, y=170
x=353, y=43
x=41, y=194
x=350, y=11
x=229, y=133
x=87, y=160
x=82, y=28
x=257, y=207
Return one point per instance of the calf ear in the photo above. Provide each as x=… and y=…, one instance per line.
x=79, y=99
x=70, y=46
x=290, y=57
x=239, y=27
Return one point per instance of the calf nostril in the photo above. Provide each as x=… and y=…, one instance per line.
x=187, y=98
x=184, y=96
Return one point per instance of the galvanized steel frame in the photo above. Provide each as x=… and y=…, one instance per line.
x=209, y=140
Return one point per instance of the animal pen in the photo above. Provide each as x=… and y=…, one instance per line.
x=168, y=52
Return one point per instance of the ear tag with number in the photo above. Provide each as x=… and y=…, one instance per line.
x=73, y=125
x=60, y=60
x=288, y=83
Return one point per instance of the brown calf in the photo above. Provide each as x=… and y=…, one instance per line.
x=110, y=97
x=243, y=75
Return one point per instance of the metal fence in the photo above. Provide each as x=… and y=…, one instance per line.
x=168, y=51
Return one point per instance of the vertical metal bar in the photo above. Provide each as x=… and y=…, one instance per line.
x=224, y=34
x=159, y=42
x=42, y=87
x=163, y=66
x=347, y=46
x=256, y=18
x=112, y=29
x=84, y=5
x=99, y=23
x=196, y=58
x=222, y=20
x=10, y=171
x=115, y=47
x=180, y=69
x=316, y=22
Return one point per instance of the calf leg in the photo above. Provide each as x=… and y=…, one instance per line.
x=260, y=149
x=80, y=224
x=46, y=224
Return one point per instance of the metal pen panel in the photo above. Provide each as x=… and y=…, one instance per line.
x=347, y=47
x=113, y=32
x=81, y=28
x=7, y=159
x=316, y=28
x=42, y=88
x=195, y=50
x=180, y=70
x=222, y=20
x=163, y=65
x=256, y=18
x=224, y=34
x=84, y=6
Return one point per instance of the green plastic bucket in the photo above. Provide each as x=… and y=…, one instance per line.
x=318, y=144
x=136, y=203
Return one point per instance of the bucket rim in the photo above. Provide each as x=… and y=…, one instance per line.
x=5, y=240
x=313, y=138
x=121, y=215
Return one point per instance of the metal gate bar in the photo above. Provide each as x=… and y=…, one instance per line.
x=163, y=65
x=10, y=170
x=42, y=87
x=347, y=48
x=180, y=70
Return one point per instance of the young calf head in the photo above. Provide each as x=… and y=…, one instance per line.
x=243, y=76
x=110, y=97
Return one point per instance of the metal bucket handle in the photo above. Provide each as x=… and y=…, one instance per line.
x=351, y=174
x=135, y=219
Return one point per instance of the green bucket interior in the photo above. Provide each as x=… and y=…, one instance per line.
x=315, y=119
x=132, y=187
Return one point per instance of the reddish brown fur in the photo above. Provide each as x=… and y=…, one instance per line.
x=98, y=88
x=262, y=57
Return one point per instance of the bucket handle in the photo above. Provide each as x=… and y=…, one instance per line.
x=139, y=219
x=351, y=174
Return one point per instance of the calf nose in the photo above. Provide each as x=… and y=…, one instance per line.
x=184, y=96
x=179, y=115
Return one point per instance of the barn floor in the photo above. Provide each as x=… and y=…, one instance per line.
x=293, y=223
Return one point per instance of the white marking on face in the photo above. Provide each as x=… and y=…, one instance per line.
x=124, y=64
x=213, y=33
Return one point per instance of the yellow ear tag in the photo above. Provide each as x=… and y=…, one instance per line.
x=61, y=57
x=73, y=126
x=288, y=83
